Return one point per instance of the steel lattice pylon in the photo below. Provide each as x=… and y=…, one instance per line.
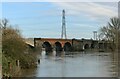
x=63, y=35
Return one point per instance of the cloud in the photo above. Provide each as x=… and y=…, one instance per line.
x=83, y=25
x=92, y=10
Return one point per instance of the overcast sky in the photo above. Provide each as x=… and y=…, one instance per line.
x=43, y=19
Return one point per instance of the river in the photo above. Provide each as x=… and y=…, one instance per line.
x=81, y=64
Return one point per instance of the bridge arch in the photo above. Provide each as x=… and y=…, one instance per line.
x=67, y=47
x=58, y=48
x=86, y=46
x=92, y=46
x=47, y=46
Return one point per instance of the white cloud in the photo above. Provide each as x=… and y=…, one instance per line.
x=92, y=10
x=83, y=25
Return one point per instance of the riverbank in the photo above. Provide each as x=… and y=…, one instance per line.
x=12, y=68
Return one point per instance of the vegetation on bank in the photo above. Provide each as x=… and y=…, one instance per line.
x=13, y=49
x=111, y=33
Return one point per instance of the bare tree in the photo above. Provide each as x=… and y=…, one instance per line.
x=111, y=32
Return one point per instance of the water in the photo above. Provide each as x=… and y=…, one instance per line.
x=83, y=64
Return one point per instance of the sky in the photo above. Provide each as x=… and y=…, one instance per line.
x=44, y=19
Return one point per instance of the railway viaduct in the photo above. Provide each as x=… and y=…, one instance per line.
x=67, y=45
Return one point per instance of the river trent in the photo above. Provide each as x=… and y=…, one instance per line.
x=81, y=64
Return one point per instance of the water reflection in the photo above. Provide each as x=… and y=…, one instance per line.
x=80, y=64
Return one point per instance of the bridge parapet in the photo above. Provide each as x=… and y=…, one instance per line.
x=29, y=41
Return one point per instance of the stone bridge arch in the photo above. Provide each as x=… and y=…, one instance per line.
x=86, y=46
x=58, y=46
x=47, y=46
x=67, y=46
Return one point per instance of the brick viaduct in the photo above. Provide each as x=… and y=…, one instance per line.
x=51, y=44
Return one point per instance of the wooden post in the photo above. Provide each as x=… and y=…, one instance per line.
x=17, y=63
